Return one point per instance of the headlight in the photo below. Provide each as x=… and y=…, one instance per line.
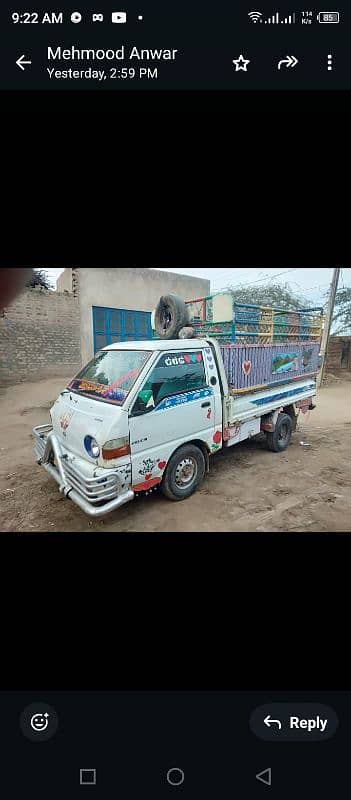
x=92, y=447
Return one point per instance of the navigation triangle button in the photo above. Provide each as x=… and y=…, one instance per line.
x=265, y=776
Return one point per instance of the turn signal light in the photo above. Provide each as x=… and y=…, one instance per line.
x=116, y=448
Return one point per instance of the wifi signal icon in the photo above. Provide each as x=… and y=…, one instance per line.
x=254, y=16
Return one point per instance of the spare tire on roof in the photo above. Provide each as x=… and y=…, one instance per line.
x=186, y=333
x=170, y=316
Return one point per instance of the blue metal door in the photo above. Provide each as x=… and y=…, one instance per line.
x=119, y=325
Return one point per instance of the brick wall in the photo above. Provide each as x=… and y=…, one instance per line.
x=39, y=336
x=335, y=349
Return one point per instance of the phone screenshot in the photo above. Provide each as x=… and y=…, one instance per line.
x=174, y=47
x=174, y=446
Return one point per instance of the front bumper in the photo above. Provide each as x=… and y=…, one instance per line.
x=96, y=495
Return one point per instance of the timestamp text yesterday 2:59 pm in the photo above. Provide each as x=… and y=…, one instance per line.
x=123, y=73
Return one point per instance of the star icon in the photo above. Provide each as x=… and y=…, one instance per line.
x=241, y=63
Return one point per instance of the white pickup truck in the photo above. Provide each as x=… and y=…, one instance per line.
x=147, y=414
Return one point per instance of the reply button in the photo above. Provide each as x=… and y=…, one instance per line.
x=294, y=722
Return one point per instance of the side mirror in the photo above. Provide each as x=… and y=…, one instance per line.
x=147, y=398
x=144, y=402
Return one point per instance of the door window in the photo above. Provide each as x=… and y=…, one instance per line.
x=174, y=373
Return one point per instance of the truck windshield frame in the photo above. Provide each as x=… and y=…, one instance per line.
x=110, y=376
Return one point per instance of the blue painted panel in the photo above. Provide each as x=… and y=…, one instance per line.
x=119, y=325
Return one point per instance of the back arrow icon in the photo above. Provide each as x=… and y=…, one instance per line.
x=20, y=62
x=289, y=61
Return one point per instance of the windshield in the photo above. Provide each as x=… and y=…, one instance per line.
x=110, y=375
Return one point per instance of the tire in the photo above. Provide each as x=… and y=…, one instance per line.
x=186, y=333
x=280, y=439
x=171, y=315
x=184, y=474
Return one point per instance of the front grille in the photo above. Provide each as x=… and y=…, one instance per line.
x=94, y=490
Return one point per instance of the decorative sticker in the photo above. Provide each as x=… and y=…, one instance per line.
x=194, y=358
x=181, y=399
x=246, y=367
x=171, y=360
x=285, y=362
x=146, y=468
x=65, y=420
x=106, y=392
x=234, y=430
x=125, y=474
x=209, y=358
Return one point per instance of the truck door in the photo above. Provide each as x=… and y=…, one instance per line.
x=176, y=404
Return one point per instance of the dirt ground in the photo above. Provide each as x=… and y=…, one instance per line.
x=304, y=489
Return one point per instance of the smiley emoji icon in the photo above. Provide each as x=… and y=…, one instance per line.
x=39, y=722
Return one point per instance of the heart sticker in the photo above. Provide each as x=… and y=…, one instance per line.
x=162, y=464
x=246, y=365
x=198, y=357
x=187, y=359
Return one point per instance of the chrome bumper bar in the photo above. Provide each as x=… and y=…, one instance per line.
x=85, y=492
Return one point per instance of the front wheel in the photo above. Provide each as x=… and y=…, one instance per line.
x=280, y=438
x=184, y=474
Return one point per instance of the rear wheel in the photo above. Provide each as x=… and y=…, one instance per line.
x=280, y=438
x=184, y=474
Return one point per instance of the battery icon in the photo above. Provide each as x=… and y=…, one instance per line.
x=328, y=16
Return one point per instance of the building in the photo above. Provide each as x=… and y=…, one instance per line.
x=339, y=353
x=45, y=333
x=115, y=303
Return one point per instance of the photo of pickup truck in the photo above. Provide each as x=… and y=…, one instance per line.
x=152, y=414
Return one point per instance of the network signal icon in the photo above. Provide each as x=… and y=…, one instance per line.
x=255, y=16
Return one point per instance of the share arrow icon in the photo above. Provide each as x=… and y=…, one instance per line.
x=265, y=776
x=289, y=61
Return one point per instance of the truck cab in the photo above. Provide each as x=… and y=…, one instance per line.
x=122, y=419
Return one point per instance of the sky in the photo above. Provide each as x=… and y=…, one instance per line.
x=311, y=282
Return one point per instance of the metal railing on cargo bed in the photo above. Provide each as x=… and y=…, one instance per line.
x=254, y=324
x=249, y=323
